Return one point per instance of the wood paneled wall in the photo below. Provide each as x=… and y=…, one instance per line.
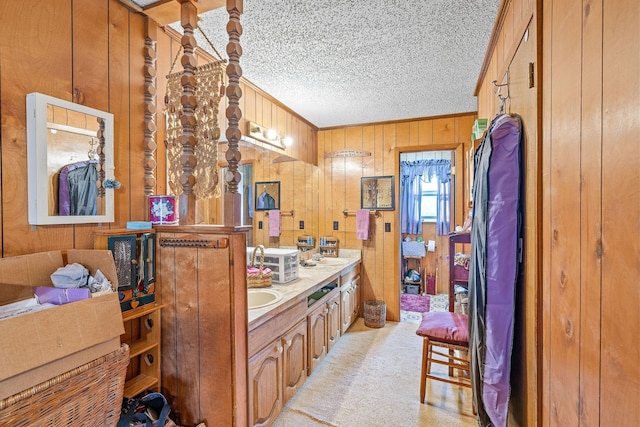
x=61, y=48
x=339, y=189
x=591, y=216
x=514, y=46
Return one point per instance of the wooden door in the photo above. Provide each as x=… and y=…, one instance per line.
x=317, y=326
x=294, y=360
x=265, y=385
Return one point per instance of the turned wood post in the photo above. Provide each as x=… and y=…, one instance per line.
x=187, y=201
x=150, y=90
x=231, y=215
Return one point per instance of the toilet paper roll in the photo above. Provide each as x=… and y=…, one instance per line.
x=431, y=246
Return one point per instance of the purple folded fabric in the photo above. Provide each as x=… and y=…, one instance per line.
x=59, y=296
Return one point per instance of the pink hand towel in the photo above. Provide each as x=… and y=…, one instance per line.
x=274, y=223
x=362, y=224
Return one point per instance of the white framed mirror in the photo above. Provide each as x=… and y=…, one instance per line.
x=69, y=159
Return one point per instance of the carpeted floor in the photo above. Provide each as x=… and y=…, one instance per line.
x=372, y=378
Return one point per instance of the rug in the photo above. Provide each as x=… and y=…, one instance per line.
x=415, y=303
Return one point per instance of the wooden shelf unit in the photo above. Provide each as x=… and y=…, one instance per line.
x=303, y=243
x=135, y=267
x=454, y=239
x=329, y=247
x=142, y=333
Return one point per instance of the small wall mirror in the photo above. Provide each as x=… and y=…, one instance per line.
x=70, y=156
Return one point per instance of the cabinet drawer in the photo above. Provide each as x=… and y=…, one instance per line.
x=268, y=331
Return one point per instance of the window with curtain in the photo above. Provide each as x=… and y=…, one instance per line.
x=429, y=202
x=425, y=187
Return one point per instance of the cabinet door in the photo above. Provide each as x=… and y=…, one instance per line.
x=148, y=247
x=124, y=250
x=294, y=359
x=333, y=321
x=346, y=309
x=265, y=385
x=317, y=326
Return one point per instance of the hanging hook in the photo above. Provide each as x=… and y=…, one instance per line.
x=498, y=92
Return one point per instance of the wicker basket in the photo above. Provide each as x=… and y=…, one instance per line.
x=89, y=395
x=261, y=279
x=375, y=313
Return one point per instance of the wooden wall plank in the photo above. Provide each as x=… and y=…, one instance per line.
x=425, y=132
x=591, y=217
x=620, y=380
x=414, y=133
x=565, y=176
x=377, y=288
x=368, y=274
x=119, y=103
x=338, y=185
x=444, y=131
x=353, y=165
x=545, y=385
x=214, y=303
x=322, y=183
x=167, y=284
x=249, y=113
x=390, y=277
x=187, y=328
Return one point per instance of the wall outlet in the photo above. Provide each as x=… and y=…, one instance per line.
x=335, y=225
x=301, y=225
x=259, y=225
x=387, y=227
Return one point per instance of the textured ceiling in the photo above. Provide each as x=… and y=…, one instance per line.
x=340, y=62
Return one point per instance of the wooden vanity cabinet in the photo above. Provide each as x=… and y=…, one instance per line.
x=277, y=363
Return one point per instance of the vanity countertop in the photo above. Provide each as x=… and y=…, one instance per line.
x=308, y=281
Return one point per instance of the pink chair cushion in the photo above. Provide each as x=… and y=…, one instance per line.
x=444, y=326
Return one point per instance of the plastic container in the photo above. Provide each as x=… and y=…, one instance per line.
x=284, y=263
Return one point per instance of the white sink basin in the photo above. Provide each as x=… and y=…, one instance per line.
x=333, y=261
x=258, y=298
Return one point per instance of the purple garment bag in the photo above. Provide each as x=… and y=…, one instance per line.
x=496, y=229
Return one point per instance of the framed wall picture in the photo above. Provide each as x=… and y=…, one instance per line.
x=267, y=195
x=376, y=193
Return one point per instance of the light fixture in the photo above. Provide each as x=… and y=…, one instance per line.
x=270, y=136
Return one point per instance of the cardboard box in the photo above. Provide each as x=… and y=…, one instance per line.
x=37, y=346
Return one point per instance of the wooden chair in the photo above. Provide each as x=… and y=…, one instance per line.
x=445, y=330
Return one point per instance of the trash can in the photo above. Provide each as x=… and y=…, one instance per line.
x=375, y=313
